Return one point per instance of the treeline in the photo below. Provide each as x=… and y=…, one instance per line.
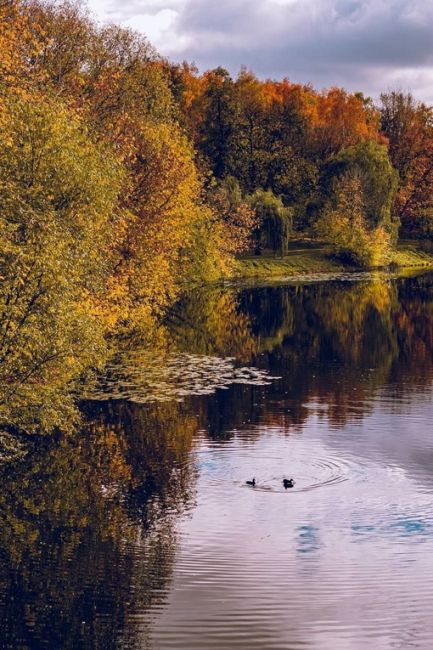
x=124, y=177
x=349, y=171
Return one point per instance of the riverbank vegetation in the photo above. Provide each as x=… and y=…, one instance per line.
x=311, y=258
x=125, y=177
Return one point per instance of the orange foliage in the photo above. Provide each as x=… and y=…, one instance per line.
x=339, y=119
x=20, y=44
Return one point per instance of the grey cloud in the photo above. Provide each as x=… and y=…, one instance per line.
x=391, y=33
x=325, y=41
x=366, y=44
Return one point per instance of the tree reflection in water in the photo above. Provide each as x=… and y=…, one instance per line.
x=87, y=537
x=334, y=344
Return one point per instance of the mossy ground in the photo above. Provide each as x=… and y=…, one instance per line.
x=310, y=258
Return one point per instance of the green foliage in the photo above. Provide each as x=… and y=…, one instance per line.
x=275, y=221
x=219, y=123
x=345, y=225
x=231, y=192
x=223, y=229
x=378, y=179
x=293, y=177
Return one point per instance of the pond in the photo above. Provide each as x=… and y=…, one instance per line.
x=141, y=532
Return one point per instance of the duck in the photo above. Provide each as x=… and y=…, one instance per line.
x=288, y=483
x=252, y=482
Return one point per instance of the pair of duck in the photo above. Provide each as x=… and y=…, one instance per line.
x=287, y=482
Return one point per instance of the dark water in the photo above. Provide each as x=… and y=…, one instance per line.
x=141, y=533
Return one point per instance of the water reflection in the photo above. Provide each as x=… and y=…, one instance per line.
x=141, y=533
x=87, y=538
x=335, y=345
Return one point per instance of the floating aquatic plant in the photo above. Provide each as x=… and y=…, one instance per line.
x=144, y=377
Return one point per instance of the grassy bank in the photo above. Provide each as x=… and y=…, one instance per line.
x=414, y=254
x=309, y=258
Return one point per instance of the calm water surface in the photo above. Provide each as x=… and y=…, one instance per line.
x=140, y=532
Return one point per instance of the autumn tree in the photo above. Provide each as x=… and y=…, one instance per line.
x=339, y=119
x=358, y=187
x=344, y=223
x=238, y=218
x=19, y=46
x=164, y=209
x=408, y=125
x=371, y=163
x=58, y=192
x=109, y=73
x=125, y=178
x=218, y=125
x=272, y=134
x=191, y=96
x=122, y=88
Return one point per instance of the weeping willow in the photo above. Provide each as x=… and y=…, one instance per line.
x=276, y=222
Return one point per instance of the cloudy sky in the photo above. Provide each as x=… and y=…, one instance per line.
x=369, y=45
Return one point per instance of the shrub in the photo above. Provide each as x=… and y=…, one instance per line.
x=345, y=226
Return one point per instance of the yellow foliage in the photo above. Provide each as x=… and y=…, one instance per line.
x=345, y=227
x=58, y=191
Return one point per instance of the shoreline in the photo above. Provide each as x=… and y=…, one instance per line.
x=305, y=259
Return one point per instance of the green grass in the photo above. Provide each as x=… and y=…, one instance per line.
x=306, y=258
x=412, y=254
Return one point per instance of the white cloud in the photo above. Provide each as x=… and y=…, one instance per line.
x=153, y=25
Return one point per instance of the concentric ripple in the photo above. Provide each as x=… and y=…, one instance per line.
x=319, y=472
x=309, y=471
